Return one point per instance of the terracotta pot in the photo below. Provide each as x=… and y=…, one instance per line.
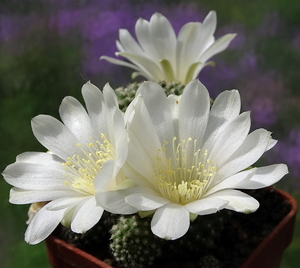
x=268, y=254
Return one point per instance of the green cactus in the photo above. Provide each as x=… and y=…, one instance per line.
x=132, y=242
x=208, y=261
x=126, y=94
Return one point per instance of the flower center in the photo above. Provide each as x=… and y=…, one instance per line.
x=82, y=169
x=186, y=175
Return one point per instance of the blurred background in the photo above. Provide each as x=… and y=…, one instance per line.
x=50, y=48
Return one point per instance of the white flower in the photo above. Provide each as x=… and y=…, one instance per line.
x=161, y=56
x=86, y=153
x=188, y=159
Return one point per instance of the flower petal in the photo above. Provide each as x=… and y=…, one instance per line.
x=21, y=196
x=254, y=178
x=145, y=65
x=208, y=28
x=86, y=215
x=249, y=152
x=171, y=221
x=143, y=140
x=94, y=102
x=158, y=107
x=194, y=111
x=38, y=157
x=64, y=202
x=114, y=202
x=160, y=56
x=120, y=62
x=163, y=37
x=42, y=225
x=206, y=206
x=231, y=138
x=144, y=201
x=188, y=41
x=225, y=108
x=140, y=161
x=142, y=30
x=54, y=135
x=221, y=44
x=35, y=176
x=75, y=118
x=268, y=175
x=237, y=200
x=105, y=175
x=128, y=43
x=235, y=181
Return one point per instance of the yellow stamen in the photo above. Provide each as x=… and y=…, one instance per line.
x=184, y=175
x=82, y=169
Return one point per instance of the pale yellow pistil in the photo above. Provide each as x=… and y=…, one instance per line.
x=186, y=177
x=82, y=169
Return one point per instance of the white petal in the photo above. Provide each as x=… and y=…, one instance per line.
x=40, y=158
x=119, y=139
x=142, y=29
x=163, y=37
x=35, y=176
x=55, y=136
x=171, y=221
x=128, y=43
x=238, y=180
x=86, y=215
x=271, y=144
x=221, y=44
x=110, y=98
x=225, y=108
x=75, y=117
x=206, y=206
x=174, y=105
x=143, y=201
x=64, y=202
x=194, y=111
x=42, y=225
x=254, y=178
x=231, y=138
x=114, y=202
x=188, y=42
x=120, y=62
x=140, y=161
x=248, y=153
x=146, y=66
x=119, y=46
x=96, y=103
x=135, y=176
x=104, y=176
x=268, y=175
x=20, y=196
x=158, y=108
x=209, y=26
x=142, y=137
x=238, y=201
